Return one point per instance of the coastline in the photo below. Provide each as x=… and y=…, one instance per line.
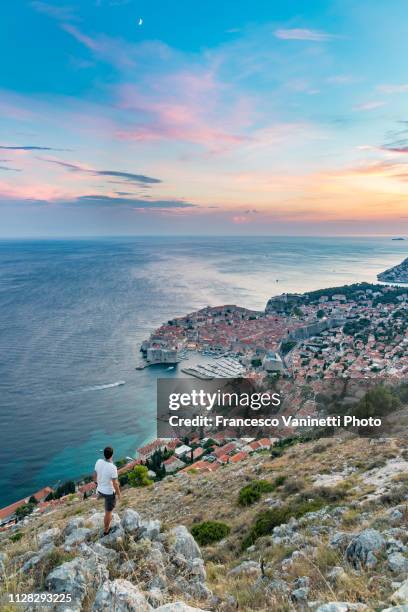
x=39, y=378
x=318, y=297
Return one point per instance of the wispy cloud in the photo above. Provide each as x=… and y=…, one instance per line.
x=101, y=200
x=393, y=89
x=56, y=12
x=129, y=177
x=8, y=169
x=342, y=79
x=303, y=34
x=28, y=148
x=368, y=106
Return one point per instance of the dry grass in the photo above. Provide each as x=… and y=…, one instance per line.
x=196, y=497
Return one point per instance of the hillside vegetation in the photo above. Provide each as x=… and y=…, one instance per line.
x=324, y=523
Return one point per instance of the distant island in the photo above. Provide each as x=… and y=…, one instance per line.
x=397, y=274
x=397, y=238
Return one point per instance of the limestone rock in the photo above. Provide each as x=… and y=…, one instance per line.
x=341, y=606
x=47, y=537
x=121, y=596
x=184, y=543
x=73, y=524
x=401, y=595
x=398, y=563
x=150, y=529
x=131, y=521
x=368, y=541
x=115, y=536
x=251, y=568
x=178, y=606
x=76, y=537
x=76, y=577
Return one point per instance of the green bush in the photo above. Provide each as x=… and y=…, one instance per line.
x=16, y=537
x=268, y=519
x=138, y=477
x=209, y=531
x=24, y=511
x=251, y=493
x=279, y=480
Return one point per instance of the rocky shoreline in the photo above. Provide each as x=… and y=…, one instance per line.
x=396, y=274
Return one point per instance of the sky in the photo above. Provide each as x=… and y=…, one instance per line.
x=122, y=117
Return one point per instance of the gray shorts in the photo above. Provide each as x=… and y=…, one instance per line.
x=110, y=500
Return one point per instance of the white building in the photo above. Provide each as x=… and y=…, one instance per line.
x=272, y=362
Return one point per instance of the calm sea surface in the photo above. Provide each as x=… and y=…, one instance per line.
x=73, y=315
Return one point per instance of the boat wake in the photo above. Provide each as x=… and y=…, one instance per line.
x=119, y=383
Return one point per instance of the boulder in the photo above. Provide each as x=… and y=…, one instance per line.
x=121, y=596
x=397, y=563
x=401, y=595
x=155, y=597
x=299, y=596
x=131, y=521
x=340, y=540
x=196, y=569
x=336, y=574
x=73, y=524
x=76, y=577
x=115, y=536
x=76, y=537
x=48, y=537
x=396, y=515
x=368, y=541
x=178, y=606
x=341, y=606
x=394, y=545
x=3, y=559
x=184, y=543
x=150, y=529
x=248, y=568
x=99, y=552
x=302, y=582
x=96, y=520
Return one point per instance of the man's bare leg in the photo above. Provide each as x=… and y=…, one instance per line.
x=107, y=521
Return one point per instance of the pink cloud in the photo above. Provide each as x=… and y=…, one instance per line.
x=173, y=109
x=240, y=219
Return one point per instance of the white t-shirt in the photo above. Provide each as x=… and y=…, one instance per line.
x=105, y=471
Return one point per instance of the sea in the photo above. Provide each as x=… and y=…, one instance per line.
x=73, y=314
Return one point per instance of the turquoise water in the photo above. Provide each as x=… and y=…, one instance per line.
x=73, y=315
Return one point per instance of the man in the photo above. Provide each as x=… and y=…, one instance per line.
x=106, y=476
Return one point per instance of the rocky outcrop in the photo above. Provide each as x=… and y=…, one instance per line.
x=136, y=568
x=184, y=543
x=77, y=577
x=362, y=549
x=121, y=596
x=396, y=274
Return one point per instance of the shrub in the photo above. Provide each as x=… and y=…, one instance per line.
x=252, y=493
x=138, y=477
x=209, y=531
x=279, y=480
x=124, y=479
x=24, y=510
x=293, y=486
x=268, y=519
x=16, y=537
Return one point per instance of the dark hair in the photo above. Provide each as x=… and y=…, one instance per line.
x=108, y=452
